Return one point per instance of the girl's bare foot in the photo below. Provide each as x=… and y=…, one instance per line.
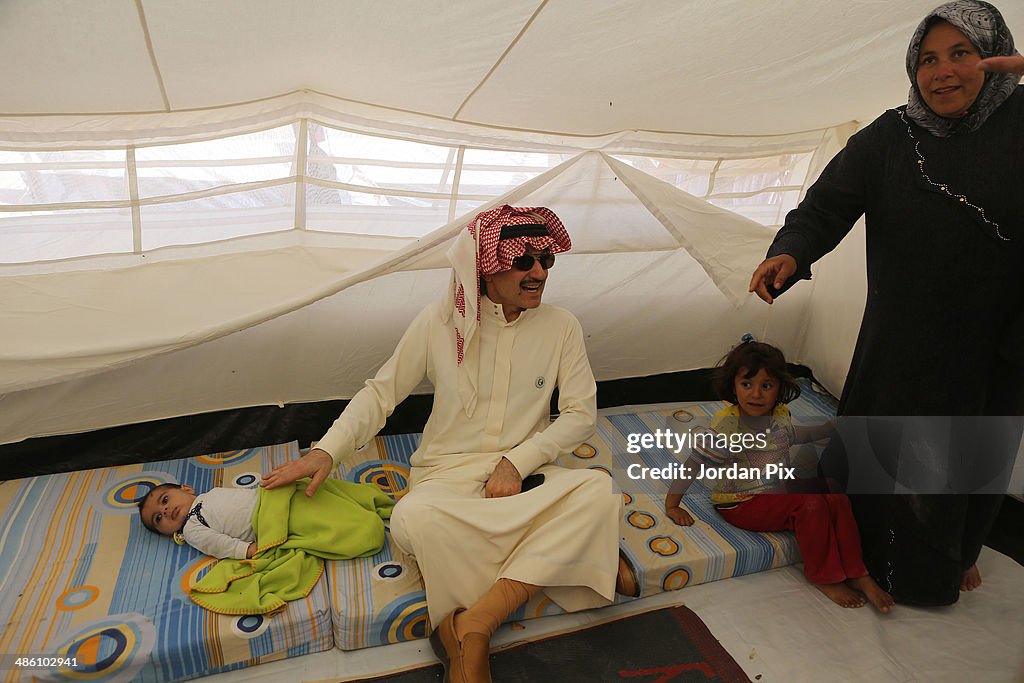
x=970, y=579
x=873, y=592
x=841, y=594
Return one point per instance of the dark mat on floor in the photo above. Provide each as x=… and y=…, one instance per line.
x=670, y=644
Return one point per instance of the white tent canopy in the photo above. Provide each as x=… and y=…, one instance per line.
x=732, y=67
x=218, y=205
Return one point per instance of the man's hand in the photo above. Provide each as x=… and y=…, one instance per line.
x=250, y=551
x=679, y=516
x=774, y=271
x=316, y=464
x=504, y=481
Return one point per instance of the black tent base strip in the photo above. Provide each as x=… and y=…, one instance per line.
x=226, y=430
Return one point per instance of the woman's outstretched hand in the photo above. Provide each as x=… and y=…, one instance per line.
x=1013, y=64
x=774, y=271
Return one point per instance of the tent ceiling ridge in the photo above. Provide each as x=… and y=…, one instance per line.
x=114, y=130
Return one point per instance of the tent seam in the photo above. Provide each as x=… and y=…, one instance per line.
x=152, y=55
x=133, y=198
x=501, y=58
x=301, y=151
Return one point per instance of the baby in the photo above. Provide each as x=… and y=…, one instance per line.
x=217, y=523
x=343, y=520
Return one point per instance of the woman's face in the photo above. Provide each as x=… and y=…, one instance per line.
x=948, y=76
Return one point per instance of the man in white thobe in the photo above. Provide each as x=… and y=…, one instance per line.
x=494, y=355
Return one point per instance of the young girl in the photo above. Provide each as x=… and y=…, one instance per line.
x=754, y=378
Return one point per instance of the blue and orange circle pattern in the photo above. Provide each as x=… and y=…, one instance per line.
x=390, y=476
x=77, y=598
x=675, y=579
x=641, y=520
x=115, y=647
x=405, y=619
x=585, y=451
x=189, y=575
x=121, y=496
x=216, y=461
x=666, y=546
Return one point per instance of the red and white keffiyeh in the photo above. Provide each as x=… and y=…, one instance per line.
x=471, y=258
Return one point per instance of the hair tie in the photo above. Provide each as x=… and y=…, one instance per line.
x=747, y=337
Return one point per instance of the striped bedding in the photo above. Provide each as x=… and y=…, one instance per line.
x=380, y=600
x=80, y=577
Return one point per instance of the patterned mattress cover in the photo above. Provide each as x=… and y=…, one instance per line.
x=80, y=577
x=380, y=599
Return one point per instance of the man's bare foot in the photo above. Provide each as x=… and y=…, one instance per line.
x=841, y=594
x=970, y=579
x=873, y=592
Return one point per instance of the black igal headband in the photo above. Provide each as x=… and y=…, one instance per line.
x=510, y=232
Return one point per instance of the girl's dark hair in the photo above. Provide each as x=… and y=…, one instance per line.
x=142, y=501
x=752, y=356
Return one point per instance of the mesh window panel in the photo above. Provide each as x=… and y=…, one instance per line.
x=52, y=235
x=28, y=178
x=174, y=169
x=219, y=217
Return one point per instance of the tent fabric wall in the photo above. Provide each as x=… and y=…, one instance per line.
x=122, y=306
x=305, y=315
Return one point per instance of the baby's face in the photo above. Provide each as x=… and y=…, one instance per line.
x=166, y=509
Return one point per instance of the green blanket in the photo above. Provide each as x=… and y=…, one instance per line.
x=296, y=533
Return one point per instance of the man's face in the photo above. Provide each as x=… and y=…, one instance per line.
x=519, y=289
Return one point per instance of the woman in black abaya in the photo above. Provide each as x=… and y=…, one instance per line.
x=939, y=182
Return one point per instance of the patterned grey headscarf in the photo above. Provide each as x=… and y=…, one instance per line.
x=985, y=28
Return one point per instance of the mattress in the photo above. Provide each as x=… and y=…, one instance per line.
x=81, y=578
x=380, y=600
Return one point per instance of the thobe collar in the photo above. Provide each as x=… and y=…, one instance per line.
x=493, y=311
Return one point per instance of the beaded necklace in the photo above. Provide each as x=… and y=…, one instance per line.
x=943, y=187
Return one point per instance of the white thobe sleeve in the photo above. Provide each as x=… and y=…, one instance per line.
x=366, y=413
x=214, y=543
x=577, y=408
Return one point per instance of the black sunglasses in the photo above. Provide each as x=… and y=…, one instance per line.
x=525, y=262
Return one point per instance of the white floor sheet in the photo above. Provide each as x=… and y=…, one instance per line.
x=780, y=630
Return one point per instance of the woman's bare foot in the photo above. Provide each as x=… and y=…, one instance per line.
x=970, y=579
x=841, y=594
x=873, y=592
